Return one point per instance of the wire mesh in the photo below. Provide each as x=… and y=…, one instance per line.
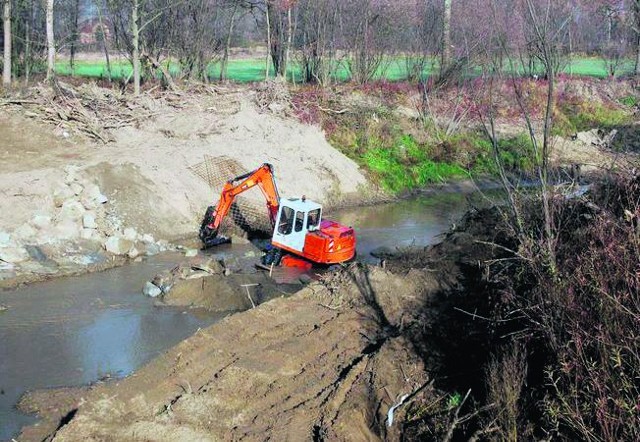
x=248, y=212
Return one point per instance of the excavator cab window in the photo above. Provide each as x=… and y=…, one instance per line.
x=299, y=221
x=286, y=221
x=313, y=220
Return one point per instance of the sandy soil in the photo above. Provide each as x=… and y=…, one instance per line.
x=326, y=363
x=147, y=169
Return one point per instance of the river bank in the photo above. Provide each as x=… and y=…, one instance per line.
x=73, y=201
x=432, y=345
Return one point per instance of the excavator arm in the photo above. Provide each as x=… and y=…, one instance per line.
x=263, y=178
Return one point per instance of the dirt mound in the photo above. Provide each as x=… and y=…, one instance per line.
x=328, y=362
x=146, y=173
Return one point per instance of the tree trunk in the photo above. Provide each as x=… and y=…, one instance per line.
x=266, y=74
x=51, y=50
x=289, y=37
x=6, y=72
x=638, y=57
x=74, y=36
x=104, y=44
x=225, y=57
x=446, y=34
x=135, y=31
x=27, y=52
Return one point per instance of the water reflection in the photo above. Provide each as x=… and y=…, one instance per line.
x=415, y=222
x=74, y=331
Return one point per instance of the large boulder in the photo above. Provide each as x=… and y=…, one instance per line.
x=71, y=209
x=117, y=245
x=62, y=194
x=89, y=221
x=13, y=255
x=5, y=239
x=41, y=221
x=151, y=290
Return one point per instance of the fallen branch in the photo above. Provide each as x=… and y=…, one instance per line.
x=332, y=111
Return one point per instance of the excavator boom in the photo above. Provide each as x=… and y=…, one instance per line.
x=263, y=178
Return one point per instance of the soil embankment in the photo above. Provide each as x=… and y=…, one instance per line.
x=65, y=199
x=328, y=362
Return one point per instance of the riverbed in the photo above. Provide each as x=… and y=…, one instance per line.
x=76, y=331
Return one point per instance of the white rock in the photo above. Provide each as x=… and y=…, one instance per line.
x=41, y=221
x=89, y=221
x=67, y=229
x=76, y=188
x=163, y=245
x=117, y=245
x=5, y=239
x=87, y=233
x=89, y=203
x=133, y=253
x=13, y=254
x=151, y=290
x=148, y=239
x=152, y=249
x=71, y=209
x=25, y=232
x=62, y=194
x=190, y=253
x=130, y=234
x=91, y=191
x=72, y=173
x=101, y=199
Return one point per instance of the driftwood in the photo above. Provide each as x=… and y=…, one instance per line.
x=87, y=110
x=157, y=65
x=95, y=112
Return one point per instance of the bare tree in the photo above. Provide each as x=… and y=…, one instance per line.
x=446, y=34
x=6, y=21
x=135, y=54
x=75, y=15
x=225, y=57
x=51, y=49
x=318, y=34
x=104, y=42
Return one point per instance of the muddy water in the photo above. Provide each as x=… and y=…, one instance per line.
x=418, y=221
x=74, y=331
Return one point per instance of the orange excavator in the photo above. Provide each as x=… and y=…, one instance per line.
x=299, y=232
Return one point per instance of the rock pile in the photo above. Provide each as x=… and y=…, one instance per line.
x=76, y=227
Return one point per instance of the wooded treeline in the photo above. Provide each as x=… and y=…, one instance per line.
x=320, y=37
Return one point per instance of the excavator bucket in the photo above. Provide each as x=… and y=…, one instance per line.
x=216, y=241
x=210, y=237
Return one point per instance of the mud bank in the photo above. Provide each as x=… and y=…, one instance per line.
x=329, y=362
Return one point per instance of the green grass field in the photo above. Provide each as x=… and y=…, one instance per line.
x=252, y=70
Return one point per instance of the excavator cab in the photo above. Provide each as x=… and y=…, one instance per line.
x=301, y=230
x=295, y=219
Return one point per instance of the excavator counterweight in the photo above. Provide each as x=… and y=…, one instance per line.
x=298, y=227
